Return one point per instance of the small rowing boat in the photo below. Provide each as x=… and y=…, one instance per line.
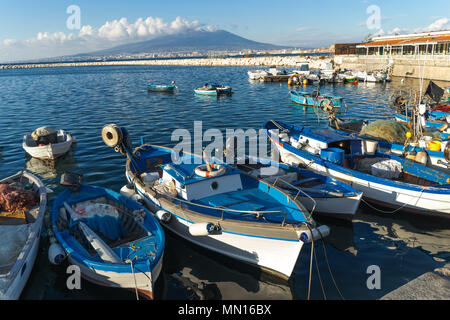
x=213, y=90
x=47, y=144
x=23, y=201
x=113, y=239
x=315, y=99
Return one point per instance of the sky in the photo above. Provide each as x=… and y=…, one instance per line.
x=33, y=29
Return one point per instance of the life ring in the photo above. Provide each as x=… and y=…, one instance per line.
x=217, y=171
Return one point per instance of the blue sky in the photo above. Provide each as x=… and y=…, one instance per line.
x=294, y=23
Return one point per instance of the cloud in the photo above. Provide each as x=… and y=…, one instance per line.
x=88, y=38
x=439, y=24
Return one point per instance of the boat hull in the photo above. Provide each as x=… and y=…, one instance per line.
x=20, y=272
x=47, y=152
x=273, y=255
x=400, y=196
x=320, y=102
x=168, y=89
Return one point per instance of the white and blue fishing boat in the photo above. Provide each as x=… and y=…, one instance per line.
x=315, y=99
x=23, y=202
x=213, y=90
x=161, y=88
x=432, y=152
x=113, y=239
x=384, y=179
x=320, y=194
x=218, y=207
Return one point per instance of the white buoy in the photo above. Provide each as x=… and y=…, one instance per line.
x=127, y=190
x=201, y=229
x=316, y=235
x=163, y=216
x=56, y=253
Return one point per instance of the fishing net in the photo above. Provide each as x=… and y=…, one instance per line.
x=387, y=130
x=14, y=200
x=45, y=135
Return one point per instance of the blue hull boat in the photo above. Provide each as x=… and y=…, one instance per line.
x=218, y=207
x=315, y=99
x=384, y=179
x=113, y=239
x=436, y=159
x=320, y=194
x=160, y=88
x=213, y=90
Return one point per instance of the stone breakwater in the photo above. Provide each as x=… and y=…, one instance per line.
x=291, y=61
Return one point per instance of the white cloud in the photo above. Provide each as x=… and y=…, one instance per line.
x=111, y=33
x=439, y=24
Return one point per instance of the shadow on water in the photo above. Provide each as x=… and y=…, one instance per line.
x=208, y=275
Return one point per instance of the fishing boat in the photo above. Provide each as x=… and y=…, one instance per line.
x=370, y=77
x=441, y=125
x=213, y=90
x=321, y=195
x=315, y=99
x=46, y=143
x=218, y=207
x=23, y=201
x=432, y=152
x=113, y=239
x=161, y=88
x=385, y=179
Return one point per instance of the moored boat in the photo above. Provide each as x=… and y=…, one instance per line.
x=384, y=179
x=431, y=151
x=218, y=207
x=320, y=194
x=161, y=87
x=315, y=99
x=113, y=239
x=23, y=202
x=213, y=90
x=46, y=143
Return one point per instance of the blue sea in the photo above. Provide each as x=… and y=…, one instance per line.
x=81, y=100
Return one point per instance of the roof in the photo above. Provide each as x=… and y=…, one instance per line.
x=407, y=41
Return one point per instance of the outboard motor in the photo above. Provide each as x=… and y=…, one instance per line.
x=72, y=180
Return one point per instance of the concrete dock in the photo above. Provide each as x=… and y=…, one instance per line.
x=433, y=285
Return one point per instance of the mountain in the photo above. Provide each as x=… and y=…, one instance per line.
x=201, y=41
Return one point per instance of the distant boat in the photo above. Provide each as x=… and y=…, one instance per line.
x=315, y=99
x=214, y=90
x=160, y=88
x=113, y=239
x=47, y=144
x=20, y=233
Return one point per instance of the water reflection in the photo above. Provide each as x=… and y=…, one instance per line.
x=206, y=276
x=51, y=171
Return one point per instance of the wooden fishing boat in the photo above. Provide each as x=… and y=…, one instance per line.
x=432, y=152
x=315, y=99
x=214, y=90
x=113, y=239
x=221, y=209
x=321, y=195
x=21, y=219
x=160, y=88
x=47, y=146
x=384, y=179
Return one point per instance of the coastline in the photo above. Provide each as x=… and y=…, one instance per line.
x=279, y=61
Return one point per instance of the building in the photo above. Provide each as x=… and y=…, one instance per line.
x=431, y=44
x=345, y=48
